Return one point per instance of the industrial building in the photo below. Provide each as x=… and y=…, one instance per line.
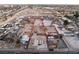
x=34, y=29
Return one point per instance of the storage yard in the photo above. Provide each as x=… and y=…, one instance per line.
x=35, y=29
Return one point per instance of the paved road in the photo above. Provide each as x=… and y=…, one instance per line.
x=73, y=42
x=22, y=51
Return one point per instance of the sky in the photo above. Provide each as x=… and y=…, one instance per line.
x=39, y=2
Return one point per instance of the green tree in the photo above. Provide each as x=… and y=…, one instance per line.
x=66, y=22
x=76, y=14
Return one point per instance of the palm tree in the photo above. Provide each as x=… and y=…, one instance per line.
x=5, y=17
x=76, y=15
